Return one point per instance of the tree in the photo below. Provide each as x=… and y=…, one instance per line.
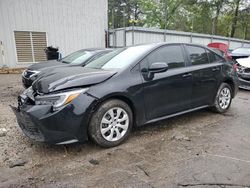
x=220, y=17
x=160, y=13
x=123, y=10
x=218, y=5
x=235, y=17
x=244, y=21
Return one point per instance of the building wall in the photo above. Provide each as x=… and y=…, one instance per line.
x=70, y=24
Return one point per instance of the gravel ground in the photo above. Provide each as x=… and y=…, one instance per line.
x=199, y=149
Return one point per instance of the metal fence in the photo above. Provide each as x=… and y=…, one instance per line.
x=137, y=35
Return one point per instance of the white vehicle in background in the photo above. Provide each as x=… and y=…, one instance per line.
x=242, y=58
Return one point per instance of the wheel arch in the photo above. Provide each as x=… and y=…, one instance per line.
x=123, y=98
x=231, y=84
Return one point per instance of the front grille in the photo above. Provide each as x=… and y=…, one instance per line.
x=27, y=97
x=32, y=131
x=28, y=127
x=247, y=70
x=244, y=77
x=25, y=100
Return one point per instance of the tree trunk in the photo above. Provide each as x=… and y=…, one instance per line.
x=245, y=33
x=235, y=18
x=219, y=5
x=215, y=25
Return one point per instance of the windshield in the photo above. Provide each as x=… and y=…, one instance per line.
x=77, y=57
x=242, y=51
x=119, y=58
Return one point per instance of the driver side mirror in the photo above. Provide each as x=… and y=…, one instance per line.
x=156, y=68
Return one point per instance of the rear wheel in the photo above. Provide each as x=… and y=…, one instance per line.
x=111, y=124
x=223, y=98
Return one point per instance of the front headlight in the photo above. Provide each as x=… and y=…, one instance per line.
x=60, y=99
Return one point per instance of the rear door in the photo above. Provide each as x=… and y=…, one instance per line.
x=167, y=92
x=206, y=71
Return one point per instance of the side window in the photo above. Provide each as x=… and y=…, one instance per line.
x=197, y=55
x=213, y=57
x=172, y=55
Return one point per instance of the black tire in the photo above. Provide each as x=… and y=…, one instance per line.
x=217, y=107
x=96, y=119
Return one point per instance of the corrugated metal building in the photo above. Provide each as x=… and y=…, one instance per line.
x=137, y=35
x=28, y=26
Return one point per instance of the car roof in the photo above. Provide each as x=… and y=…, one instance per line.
x=97, y=50
x=168, y=43
x=159, y=44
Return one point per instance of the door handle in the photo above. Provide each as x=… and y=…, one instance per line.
x=186, y=75
x=215, y=69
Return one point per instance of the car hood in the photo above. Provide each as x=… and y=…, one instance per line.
x=245, y=62
x=235, y=55
x=64, y=78
x=47, y=64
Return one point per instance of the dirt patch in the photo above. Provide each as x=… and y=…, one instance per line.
x=11, y=70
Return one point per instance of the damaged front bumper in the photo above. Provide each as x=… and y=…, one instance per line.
x=66, y=125
x=27, y=125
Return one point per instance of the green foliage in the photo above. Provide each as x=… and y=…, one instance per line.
x=220, y=17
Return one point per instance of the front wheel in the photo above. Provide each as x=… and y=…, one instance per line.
x=111, y=124
x=223, y=98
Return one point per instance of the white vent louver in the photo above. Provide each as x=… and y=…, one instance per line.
x=30, y=46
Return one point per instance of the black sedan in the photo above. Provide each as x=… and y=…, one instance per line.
x=128, y=87
x=78, y=58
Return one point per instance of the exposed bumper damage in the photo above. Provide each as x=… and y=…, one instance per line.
x=27, y=82
x=66, y=125
x=244, y=81
x=243, y=71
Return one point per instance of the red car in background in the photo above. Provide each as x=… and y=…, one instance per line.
x=221, y=48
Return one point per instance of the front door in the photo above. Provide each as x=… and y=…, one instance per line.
x=167, y=92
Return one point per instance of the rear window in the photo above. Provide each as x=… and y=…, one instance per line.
x=218, y=51
x=197, y=55
x=213, y=57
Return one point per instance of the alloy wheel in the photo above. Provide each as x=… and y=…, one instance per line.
x=114, y=124
x=224, y=98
